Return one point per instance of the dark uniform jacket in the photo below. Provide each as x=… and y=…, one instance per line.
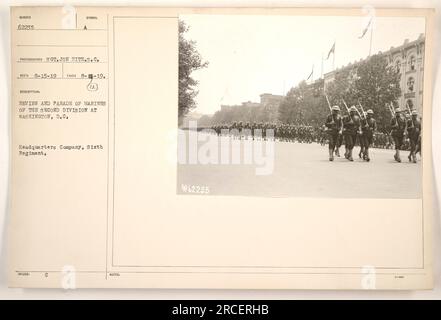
x=351, y=124
x=369, y=126
x=334, y=123
x=413, y=128
x=398, y=126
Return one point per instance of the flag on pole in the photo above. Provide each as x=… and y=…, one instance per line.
x=312, y=71
x=331, y=51
x=366, y=29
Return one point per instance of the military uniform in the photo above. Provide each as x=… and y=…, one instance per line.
x=351, y=128
x=398, y=126
x=414, y=134
x=334, y=126
x=368, y=128
x=338, y=145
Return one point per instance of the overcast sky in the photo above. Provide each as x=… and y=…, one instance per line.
x=250, y=55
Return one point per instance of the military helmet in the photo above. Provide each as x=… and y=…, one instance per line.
x=336, y=108
x=414, y=112
x=370, y=111
x=397, y=110
x=353, y=109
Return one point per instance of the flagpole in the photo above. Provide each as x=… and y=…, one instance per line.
x=321, y=73
x=333, y=57
x=370, y=42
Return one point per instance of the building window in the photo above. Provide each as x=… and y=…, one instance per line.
x=410, y=84
x=398, y=65
x=412, y=63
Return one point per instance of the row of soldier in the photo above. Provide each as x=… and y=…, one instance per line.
x=296, y=133
x=354, y=128
x=363, y=126
x=282, y=132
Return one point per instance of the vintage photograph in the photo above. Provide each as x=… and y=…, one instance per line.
x=301, y=106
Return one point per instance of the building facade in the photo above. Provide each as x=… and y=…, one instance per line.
x=270, y=100
x=408, y=60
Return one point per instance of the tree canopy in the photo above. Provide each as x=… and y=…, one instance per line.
x=304, y=104
x=246, y=113
x=189, y=60
x=371, y=82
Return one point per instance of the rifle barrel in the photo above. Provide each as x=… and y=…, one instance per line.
x=364, y=114
x=329, y=105
x=344, y=102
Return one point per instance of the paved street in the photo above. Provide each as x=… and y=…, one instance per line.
x=303, y=170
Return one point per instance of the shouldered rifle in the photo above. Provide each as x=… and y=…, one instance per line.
x=410, y=114
x=391, y=110
x=408, y=109
x=362, y=110
x=329, y=105
x=346, y=106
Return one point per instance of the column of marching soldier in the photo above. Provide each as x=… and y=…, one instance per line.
x=363, y=126
x=354, y=127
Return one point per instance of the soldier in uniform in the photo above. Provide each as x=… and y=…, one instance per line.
x=398, y=126
x=351, y=128
x=361, y=139
x=338, y=145
x=414, y=134
x=418, y=146
x=368, y=128
x=322, y=135
x=334, y=126
x=253, y=128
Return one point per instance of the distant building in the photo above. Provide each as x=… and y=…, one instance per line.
x=270, y=100
x=251, y=104
x=225, y=107
x=267, y=100
x=191, y=116
x=408, y=59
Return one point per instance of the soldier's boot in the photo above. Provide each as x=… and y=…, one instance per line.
x=331, y=155
x=360, y=154
x=366, y=155
x=350, y=155
x=410, y=157
x=337, y=152
x=414, y=159
x=397, y=156
x=346, y=152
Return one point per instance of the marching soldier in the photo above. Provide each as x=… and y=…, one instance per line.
x=414, y=134
x=368, y=128
x=418, y=146
x=322, y=135
x=351, y=127
x=398, y=126
x=253, y=129
x=338, y=145
x=334, y=126
x=361, y=139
